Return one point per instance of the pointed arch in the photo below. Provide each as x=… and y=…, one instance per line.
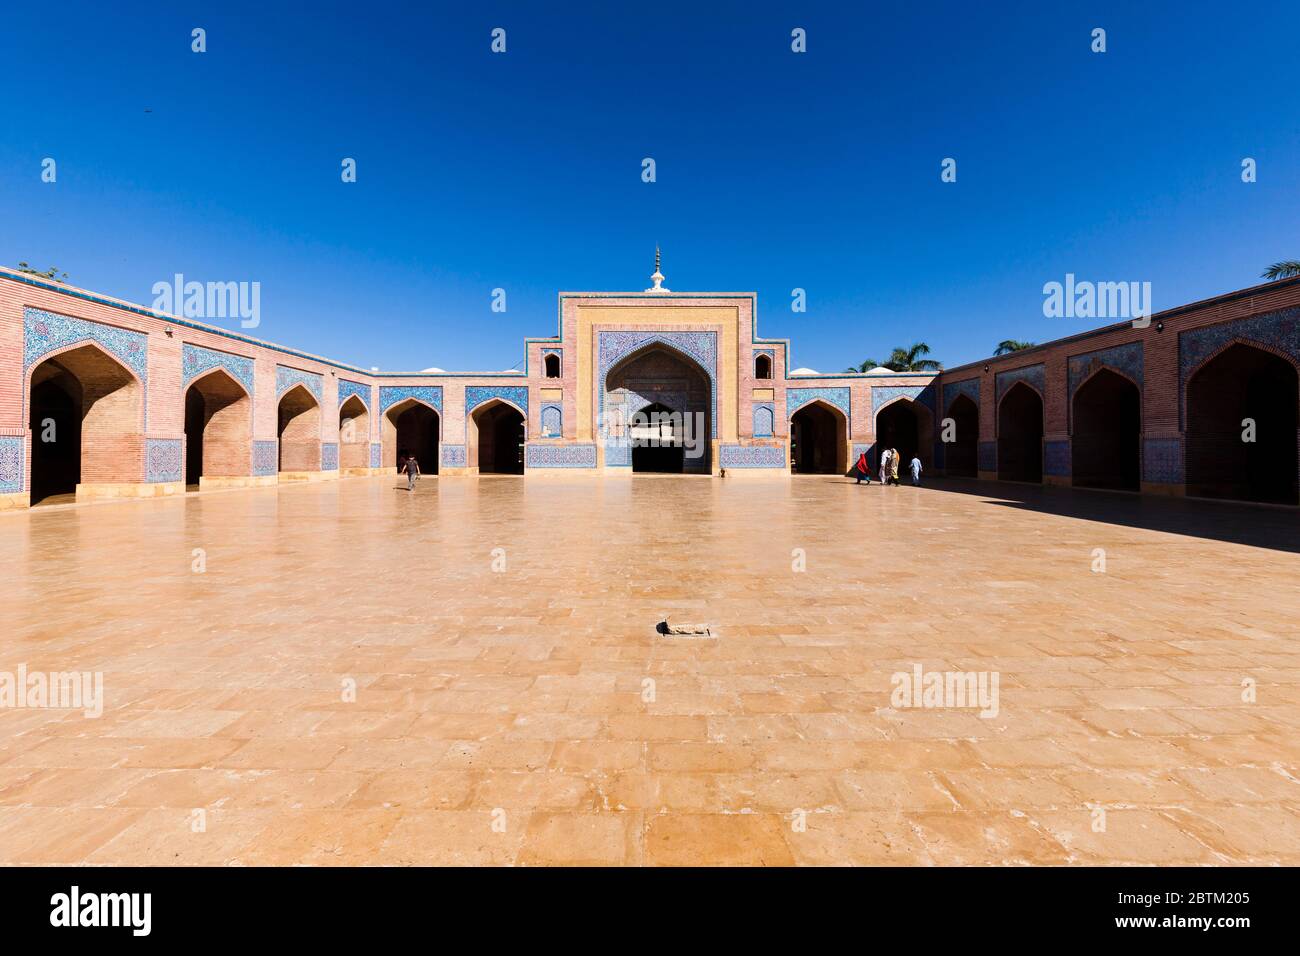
x=218, y=426
x=1020, y=428
x=819, y=438
x=299, y=429
x=495, y=436
x=411, y=426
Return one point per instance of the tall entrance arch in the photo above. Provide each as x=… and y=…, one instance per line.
x=495, y=435
x=298, y=430
x=819, y=440
x=354, y=434
x=218, y=428
x=85, y=415
x=412, y=428
x=907, y=426
x=1243, y=392
x=1106, y=441
x=1020, y=435
x=657, y=379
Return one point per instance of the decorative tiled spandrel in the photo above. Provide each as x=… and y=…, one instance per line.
x=286, y=378
x=390, y=395
x=969, y=387
x=837, y=395
x=197, y=361
x=1278, y=330
x=882, y=395
x=476, y=395
x=349, y=388
x=1034, y=375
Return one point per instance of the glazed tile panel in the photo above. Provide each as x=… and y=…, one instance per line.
x=286, y=378
x=11, y=465
x=476, y=395
x=1035, y=375
x=751, y=456
x=196, y=361
x=560, y=456
x=163, y=459
x=390, y=395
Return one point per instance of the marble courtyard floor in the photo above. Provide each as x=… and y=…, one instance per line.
x=517, y=705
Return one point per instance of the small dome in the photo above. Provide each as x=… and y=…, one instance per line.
x=435, y=370
x=881, y=368
x=805, y=371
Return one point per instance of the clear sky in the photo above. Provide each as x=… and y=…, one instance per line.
x=775, y=170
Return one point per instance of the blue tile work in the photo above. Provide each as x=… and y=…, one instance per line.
x=452, y=456
x=45, y=332
x=390, y=395
x=1279, y=330
x=476, y=395
x=764, y=420
x=1056, y=459
x=837, y=395
x=348, y=388
x=162, y=459
x=286, y=378
x=882, y=395
x=618, y=454
x=329, y=456
x=988, y=456
x=970, y=387
x=751, y=456
x=940, y=454
x=1035, y=375
x=1126, y=359
x=266, y=457
x=377, y=454
x=1162, y=460
x=11, y=464
x=196, y=361
x=552, y=421
x=613, y=347
x=559, y=456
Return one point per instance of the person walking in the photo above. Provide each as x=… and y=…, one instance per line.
x=893, y=464
x=916, y=470
x=861, y=471
x=412, y=469
x=884, y=467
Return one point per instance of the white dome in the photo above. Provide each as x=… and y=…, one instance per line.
x=881, y=368
x=436, y=370
x=805, y=371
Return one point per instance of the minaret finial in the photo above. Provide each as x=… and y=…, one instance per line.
x=658, y=277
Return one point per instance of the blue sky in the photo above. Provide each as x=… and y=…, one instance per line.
x=775, y=170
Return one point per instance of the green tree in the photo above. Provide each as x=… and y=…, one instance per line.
x=910, y=360
x=51, y=273
x=1283, y=270
x=866, y=366
x=1007, y=346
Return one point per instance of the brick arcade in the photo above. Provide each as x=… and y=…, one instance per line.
x=139, y=403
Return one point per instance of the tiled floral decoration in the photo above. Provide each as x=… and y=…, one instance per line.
x=764, y=420
x=559, y=456
x=476, y=395
x=390, y=395
x=1162, y=461
x=751, y=456
x=988, y=456
x=970, y=387
x=1056, y=459
x=46, y=332
x=349, y=388
x=552, y=421
x=11, y=464
x=286, y=378
x=266, y=457
x=882, y=395
x=454, y=456
x=1035, y=375
x=837, y=395
x=197, y=361
x=329, y=456
x=163, y=459
x=376, y=454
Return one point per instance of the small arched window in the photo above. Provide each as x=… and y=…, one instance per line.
x=552, y=364
x=763, y=366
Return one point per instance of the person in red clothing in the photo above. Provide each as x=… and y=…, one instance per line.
x=861, y=471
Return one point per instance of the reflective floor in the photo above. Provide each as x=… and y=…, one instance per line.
x=345, y=673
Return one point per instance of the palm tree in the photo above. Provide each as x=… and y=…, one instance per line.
x=866, y=366
x=1007, y=346
x=909, y=360
x=1282, y=270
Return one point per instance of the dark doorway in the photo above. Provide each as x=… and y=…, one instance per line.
x=1020, y=435
x=416, y=428
x=194, y=421
x=900, y=426
x=217, y=427
x=500, y=431
x=299, y=431
x=817, y=441
x=1243, y=383
x=657, y=443
x=1105, y=447
x=56, y=437
x=962, y=454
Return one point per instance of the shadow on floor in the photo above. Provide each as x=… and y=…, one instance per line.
x=1277, y=528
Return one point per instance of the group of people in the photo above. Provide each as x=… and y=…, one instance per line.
x=890, y=460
